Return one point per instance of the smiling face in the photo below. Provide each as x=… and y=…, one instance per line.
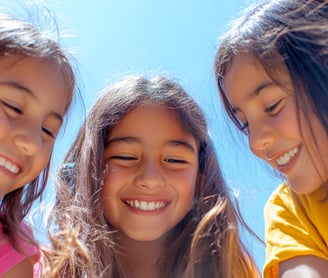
x=33, y=99
x=152, y=169
x=268, y=114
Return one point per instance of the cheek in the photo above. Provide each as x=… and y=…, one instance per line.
x=109, y=188
x=316, y=140
x=314, y=132
x=43, y=159
x=107, y=196
x=5, y=125
x=185, y=186
x=286, y=123
x=115, y=179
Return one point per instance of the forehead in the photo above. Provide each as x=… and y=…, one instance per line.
x=246, y=74
x=15, y=64
x=241, y=69
x=151, y=118
x=153, y=128
x=42, y=78
x=149, y=114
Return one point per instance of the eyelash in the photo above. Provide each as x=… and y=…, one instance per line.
x=271, y=108
x=172, y=160
x=48, y=132
x=123, y=157
x=13, y=108
x=169, y=160
x=20, y=112
x=244, y=126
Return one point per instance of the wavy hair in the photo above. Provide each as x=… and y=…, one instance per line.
x=205, y=243
x=22, y=39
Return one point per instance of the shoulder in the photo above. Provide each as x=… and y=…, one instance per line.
x=282, y=192
x=284, y=214
x=290, y=230
x=27, y=247
x=281, y=198
x=10, y=257
x=284, y=204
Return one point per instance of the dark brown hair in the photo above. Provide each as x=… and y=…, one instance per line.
x=289, y=36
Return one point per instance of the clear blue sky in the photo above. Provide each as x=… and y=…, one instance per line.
x=110, y=38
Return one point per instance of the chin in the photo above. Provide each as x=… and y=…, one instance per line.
x=304, y=188
x=143, y=236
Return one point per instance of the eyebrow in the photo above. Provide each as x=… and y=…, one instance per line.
x=131, y=139
x=177, y=143
x=258, y=90
x=23, y=89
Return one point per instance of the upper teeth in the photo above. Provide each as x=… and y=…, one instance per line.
x=284, y=159
x=143, y=205
x=8, y=165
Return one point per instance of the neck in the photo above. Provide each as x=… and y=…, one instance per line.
x=141, y=256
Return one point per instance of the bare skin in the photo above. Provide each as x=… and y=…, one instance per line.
x=303, y=267
x=142, y=255
x=23, y=269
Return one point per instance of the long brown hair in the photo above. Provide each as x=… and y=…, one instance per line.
x=21, y=38
x=205, y=243
x=289, y=36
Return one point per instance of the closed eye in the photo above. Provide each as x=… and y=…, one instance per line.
x=173, y=160
x=13, y=108
x=48, y=132
x=272, y=108
x=123, y=157
x=123, y=160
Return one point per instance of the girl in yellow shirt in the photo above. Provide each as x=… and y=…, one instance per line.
x=272, y=73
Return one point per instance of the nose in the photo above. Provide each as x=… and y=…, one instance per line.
x=150, y=176
x=260, y=137
x=28, y=140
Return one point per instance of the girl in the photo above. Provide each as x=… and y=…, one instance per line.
x=272, y=73
x=36, y=90
x=141, y=193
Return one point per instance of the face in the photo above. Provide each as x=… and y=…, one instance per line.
x=32, y=105
x=268, y=113
x=151, y=175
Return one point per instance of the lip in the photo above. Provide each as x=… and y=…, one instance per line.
x=13, y=163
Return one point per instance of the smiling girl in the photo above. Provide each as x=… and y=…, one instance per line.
x=143, y=190
x=272, y=74
x=36, y=89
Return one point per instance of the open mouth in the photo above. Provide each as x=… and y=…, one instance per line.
x=286, y=158
x=8, y=165
x=146, y=206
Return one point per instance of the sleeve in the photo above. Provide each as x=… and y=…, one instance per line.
x=288, y=231
x=9, y=256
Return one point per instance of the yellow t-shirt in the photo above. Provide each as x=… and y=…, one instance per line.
x=294, y=225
